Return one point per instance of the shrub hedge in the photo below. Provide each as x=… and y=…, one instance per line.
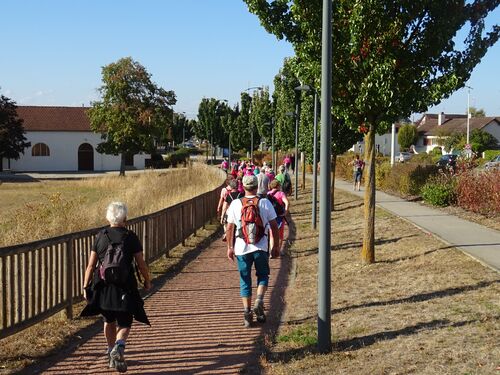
x=479, y=191
x=440, y=190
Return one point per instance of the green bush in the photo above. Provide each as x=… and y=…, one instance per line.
x=177, y=157
x=490, y=154
x=436, y=151
x=407, y=179
x=423, y=158
x=439, y=192
x=382, y=171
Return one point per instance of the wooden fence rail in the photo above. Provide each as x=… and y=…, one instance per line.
x=41, y=278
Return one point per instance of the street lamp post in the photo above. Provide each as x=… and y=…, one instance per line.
x=315, y=162
x=183, y=129
x=468, y=112
x=271, y=124
x=229, y=136
x=251, y=127
x=325, y=223
x=298, y=89
x=272, y=144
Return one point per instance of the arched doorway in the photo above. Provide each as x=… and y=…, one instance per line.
x=85, y=157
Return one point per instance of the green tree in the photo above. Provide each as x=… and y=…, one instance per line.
x=284, y=98
x=390, y=59
x=180, y=127
x=261, y=115
x=475, y=112
x=453, y=141
x=133, y=114
x=211, y=115
x=12, y=139
x=482, y=141
x=407, y=136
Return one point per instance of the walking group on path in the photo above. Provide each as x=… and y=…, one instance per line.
x=253, y=210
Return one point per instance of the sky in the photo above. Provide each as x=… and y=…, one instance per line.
x=53, y=51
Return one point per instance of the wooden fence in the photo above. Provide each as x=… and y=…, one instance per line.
x=41, y=278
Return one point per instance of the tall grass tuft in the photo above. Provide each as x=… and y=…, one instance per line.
x=71, y=206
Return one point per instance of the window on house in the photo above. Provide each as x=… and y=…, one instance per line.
x=40, y=149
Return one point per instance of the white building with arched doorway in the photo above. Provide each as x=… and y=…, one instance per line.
x=61, y=140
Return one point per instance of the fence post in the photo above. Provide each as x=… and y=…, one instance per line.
x=68, y=290
x=145, y=238
x=183, y=229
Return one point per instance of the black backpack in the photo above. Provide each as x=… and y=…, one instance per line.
x=115, y=268
x=278, y=208
x=287, y=184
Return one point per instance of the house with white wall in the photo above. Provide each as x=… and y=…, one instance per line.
x=61, y=140
x=382, y=143
x=433, y=127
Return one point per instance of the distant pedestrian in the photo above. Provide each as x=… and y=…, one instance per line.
x=233, y=194
x=110, y=286
x=263, y=182
x=281, y=211
x=357, y=165
x=224, y=165
x=223, y=194
x=286, y=162
x=249, y=221
x=292, y=163
x=285, y=181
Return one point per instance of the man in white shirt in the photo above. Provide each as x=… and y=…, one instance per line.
x=247, y=253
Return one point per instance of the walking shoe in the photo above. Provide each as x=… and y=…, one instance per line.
x=248, y=318
x=258, y=309
x=117, y=359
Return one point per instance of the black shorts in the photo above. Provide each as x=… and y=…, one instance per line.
x=123, y=318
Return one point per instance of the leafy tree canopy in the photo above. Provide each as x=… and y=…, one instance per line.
x=133, y=113
x=475, y=112
x=407, y=136
x=12, y=139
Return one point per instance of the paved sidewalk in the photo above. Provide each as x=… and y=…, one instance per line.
x=480, y=242
x=197, y=325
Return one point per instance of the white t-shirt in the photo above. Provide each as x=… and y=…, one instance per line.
x=267, y=214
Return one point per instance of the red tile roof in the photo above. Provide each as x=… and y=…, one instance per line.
x=428, y=124
x=72, y=119
x=459, y=125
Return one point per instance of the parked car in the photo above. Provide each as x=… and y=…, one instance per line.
x=493, y=163
x=404, y=157
x=449, y=161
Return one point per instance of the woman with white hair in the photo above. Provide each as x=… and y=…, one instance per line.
x=110, y=286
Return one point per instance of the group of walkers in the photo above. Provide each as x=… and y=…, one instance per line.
x=253, y=208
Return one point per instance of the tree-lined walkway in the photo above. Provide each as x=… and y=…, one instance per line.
x=197, y=325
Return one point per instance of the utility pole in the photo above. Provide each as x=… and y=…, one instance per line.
x=315, y=163
x=324, y=251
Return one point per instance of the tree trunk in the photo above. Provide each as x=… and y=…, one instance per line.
x=122, y=164
x=368, y=252
x=332, y=193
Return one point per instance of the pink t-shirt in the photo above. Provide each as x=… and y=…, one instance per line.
x=270, y=176
x=279, y=195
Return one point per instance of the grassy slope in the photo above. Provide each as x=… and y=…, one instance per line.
x=423, y=308
x=31, y=211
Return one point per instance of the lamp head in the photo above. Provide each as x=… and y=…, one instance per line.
x=302, y=88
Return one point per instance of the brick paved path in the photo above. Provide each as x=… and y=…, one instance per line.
x=197, y=325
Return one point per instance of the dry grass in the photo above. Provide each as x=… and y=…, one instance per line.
x=423, y=308
x=32, y=211
x=37, y=342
